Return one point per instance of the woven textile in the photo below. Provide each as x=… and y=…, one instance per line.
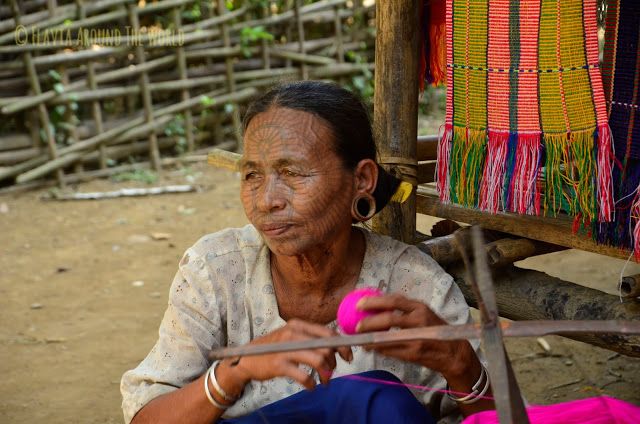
x=526, y=124
x=621, y=79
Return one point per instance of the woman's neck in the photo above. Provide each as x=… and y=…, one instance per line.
x=322, y=272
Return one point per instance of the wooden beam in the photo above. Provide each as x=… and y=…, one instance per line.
x=555, y=230
x=428, y=147
x=396, y=107
x=524, y=294
x=426, y=171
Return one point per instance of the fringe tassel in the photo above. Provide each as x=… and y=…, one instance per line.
x=556, y=155
x=605, y=157
x=524, y=196
x=466, y=164
x=442, y=164
x=584, y=182
x=437, y=66
x=635, y=216
x=495, y=166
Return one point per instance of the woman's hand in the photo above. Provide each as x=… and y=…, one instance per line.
x=455, y=359
x=450, y=358
x=287, y=364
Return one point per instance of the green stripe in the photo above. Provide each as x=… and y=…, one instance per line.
x=514, y=50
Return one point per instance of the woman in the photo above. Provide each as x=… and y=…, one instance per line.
x=308, y=173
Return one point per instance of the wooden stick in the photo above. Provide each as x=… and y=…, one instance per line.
x=443, y=332
x=127, y=192
x=506, y=393
x=223, y=159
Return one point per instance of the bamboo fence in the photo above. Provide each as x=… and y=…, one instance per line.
x=86, y=85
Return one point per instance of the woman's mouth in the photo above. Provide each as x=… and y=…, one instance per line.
x=274, y=230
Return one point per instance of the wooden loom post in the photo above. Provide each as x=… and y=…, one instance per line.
x=395, y=118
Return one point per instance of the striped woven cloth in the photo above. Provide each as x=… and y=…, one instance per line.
x=621, y=79
x=526, y=123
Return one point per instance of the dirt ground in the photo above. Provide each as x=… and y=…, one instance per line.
x=83, y=286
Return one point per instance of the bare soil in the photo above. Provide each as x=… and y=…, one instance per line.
x=83, y=286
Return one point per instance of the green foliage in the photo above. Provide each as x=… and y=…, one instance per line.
x=207, y=101
x=362, y=84
x=139, y=175
x=61, y=118
x=250, y=36
x=176, y=128
x=194, y=13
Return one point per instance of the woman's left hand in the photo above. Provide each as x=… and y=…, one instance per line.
x=450, y=358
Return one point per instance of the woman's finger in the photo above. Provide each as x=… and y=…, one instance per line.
x=389, y=302
x=315, y=330
x=381, y=322
x=292, y=370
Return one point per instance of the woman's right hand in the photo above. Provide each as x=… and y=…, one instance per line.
x=285, y=364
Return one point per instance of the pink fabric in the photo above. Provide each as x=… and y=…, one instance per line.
x=348, y=315
x=596, y=410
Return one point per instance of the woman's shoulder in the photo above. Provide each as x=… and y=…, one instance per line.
x=227, y=241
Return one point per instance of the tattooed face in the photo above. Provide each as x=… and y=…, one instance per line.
x=295, y=189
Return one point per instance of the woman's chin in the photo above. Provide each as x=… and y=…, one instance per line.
x=286, y=247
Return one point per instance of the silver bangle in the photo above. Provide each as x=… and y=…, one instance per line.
x=216, y=386
x=476, y=394
x=208, y=393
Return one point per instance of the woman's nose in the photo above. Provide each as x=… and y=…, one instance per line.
x=272, y=196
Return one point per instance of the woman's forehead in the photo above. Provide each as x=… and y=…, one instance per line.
x=287, y=131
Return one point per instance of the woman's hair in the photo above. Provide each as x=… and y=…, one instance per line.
x=347, y=117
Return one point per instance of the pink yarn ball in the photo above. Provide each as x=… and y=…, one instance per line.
x=348, y=315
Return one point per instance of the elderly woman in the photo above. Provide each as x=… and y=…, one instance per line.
x=308, y=174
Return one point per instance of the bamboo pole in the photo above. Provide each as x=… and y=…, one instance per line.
x=184, y=94
x=297, y=5
x=396, y=108
x=110, y=76
x=115, y=134
x=231, y=83
x=154, y=154
x=45, y=123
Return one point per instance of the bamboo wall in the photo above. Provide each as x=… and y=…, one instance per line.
x=86, y=85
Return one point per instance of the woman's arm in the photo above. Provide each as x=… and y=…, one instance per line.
x=190, y=404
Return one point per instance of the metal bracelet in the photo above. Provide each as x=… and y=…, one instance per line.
x=208, y=393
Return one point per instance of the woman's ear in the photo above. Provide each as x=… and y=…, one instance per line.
x=366, y=176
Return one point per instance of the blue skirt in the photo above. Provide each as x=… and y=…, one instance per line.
x=344, y=401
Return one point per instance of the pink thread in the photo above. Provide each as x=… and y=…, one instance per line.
x=605, y=165
x=410, y=386
x=442, y=164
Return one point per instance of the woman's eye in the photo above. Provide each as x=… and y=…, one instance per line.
x=250, y=175
x=290, y=173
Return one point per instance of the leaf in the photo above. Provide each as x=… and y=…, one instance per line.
x=55, y=75
x=58, y=88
